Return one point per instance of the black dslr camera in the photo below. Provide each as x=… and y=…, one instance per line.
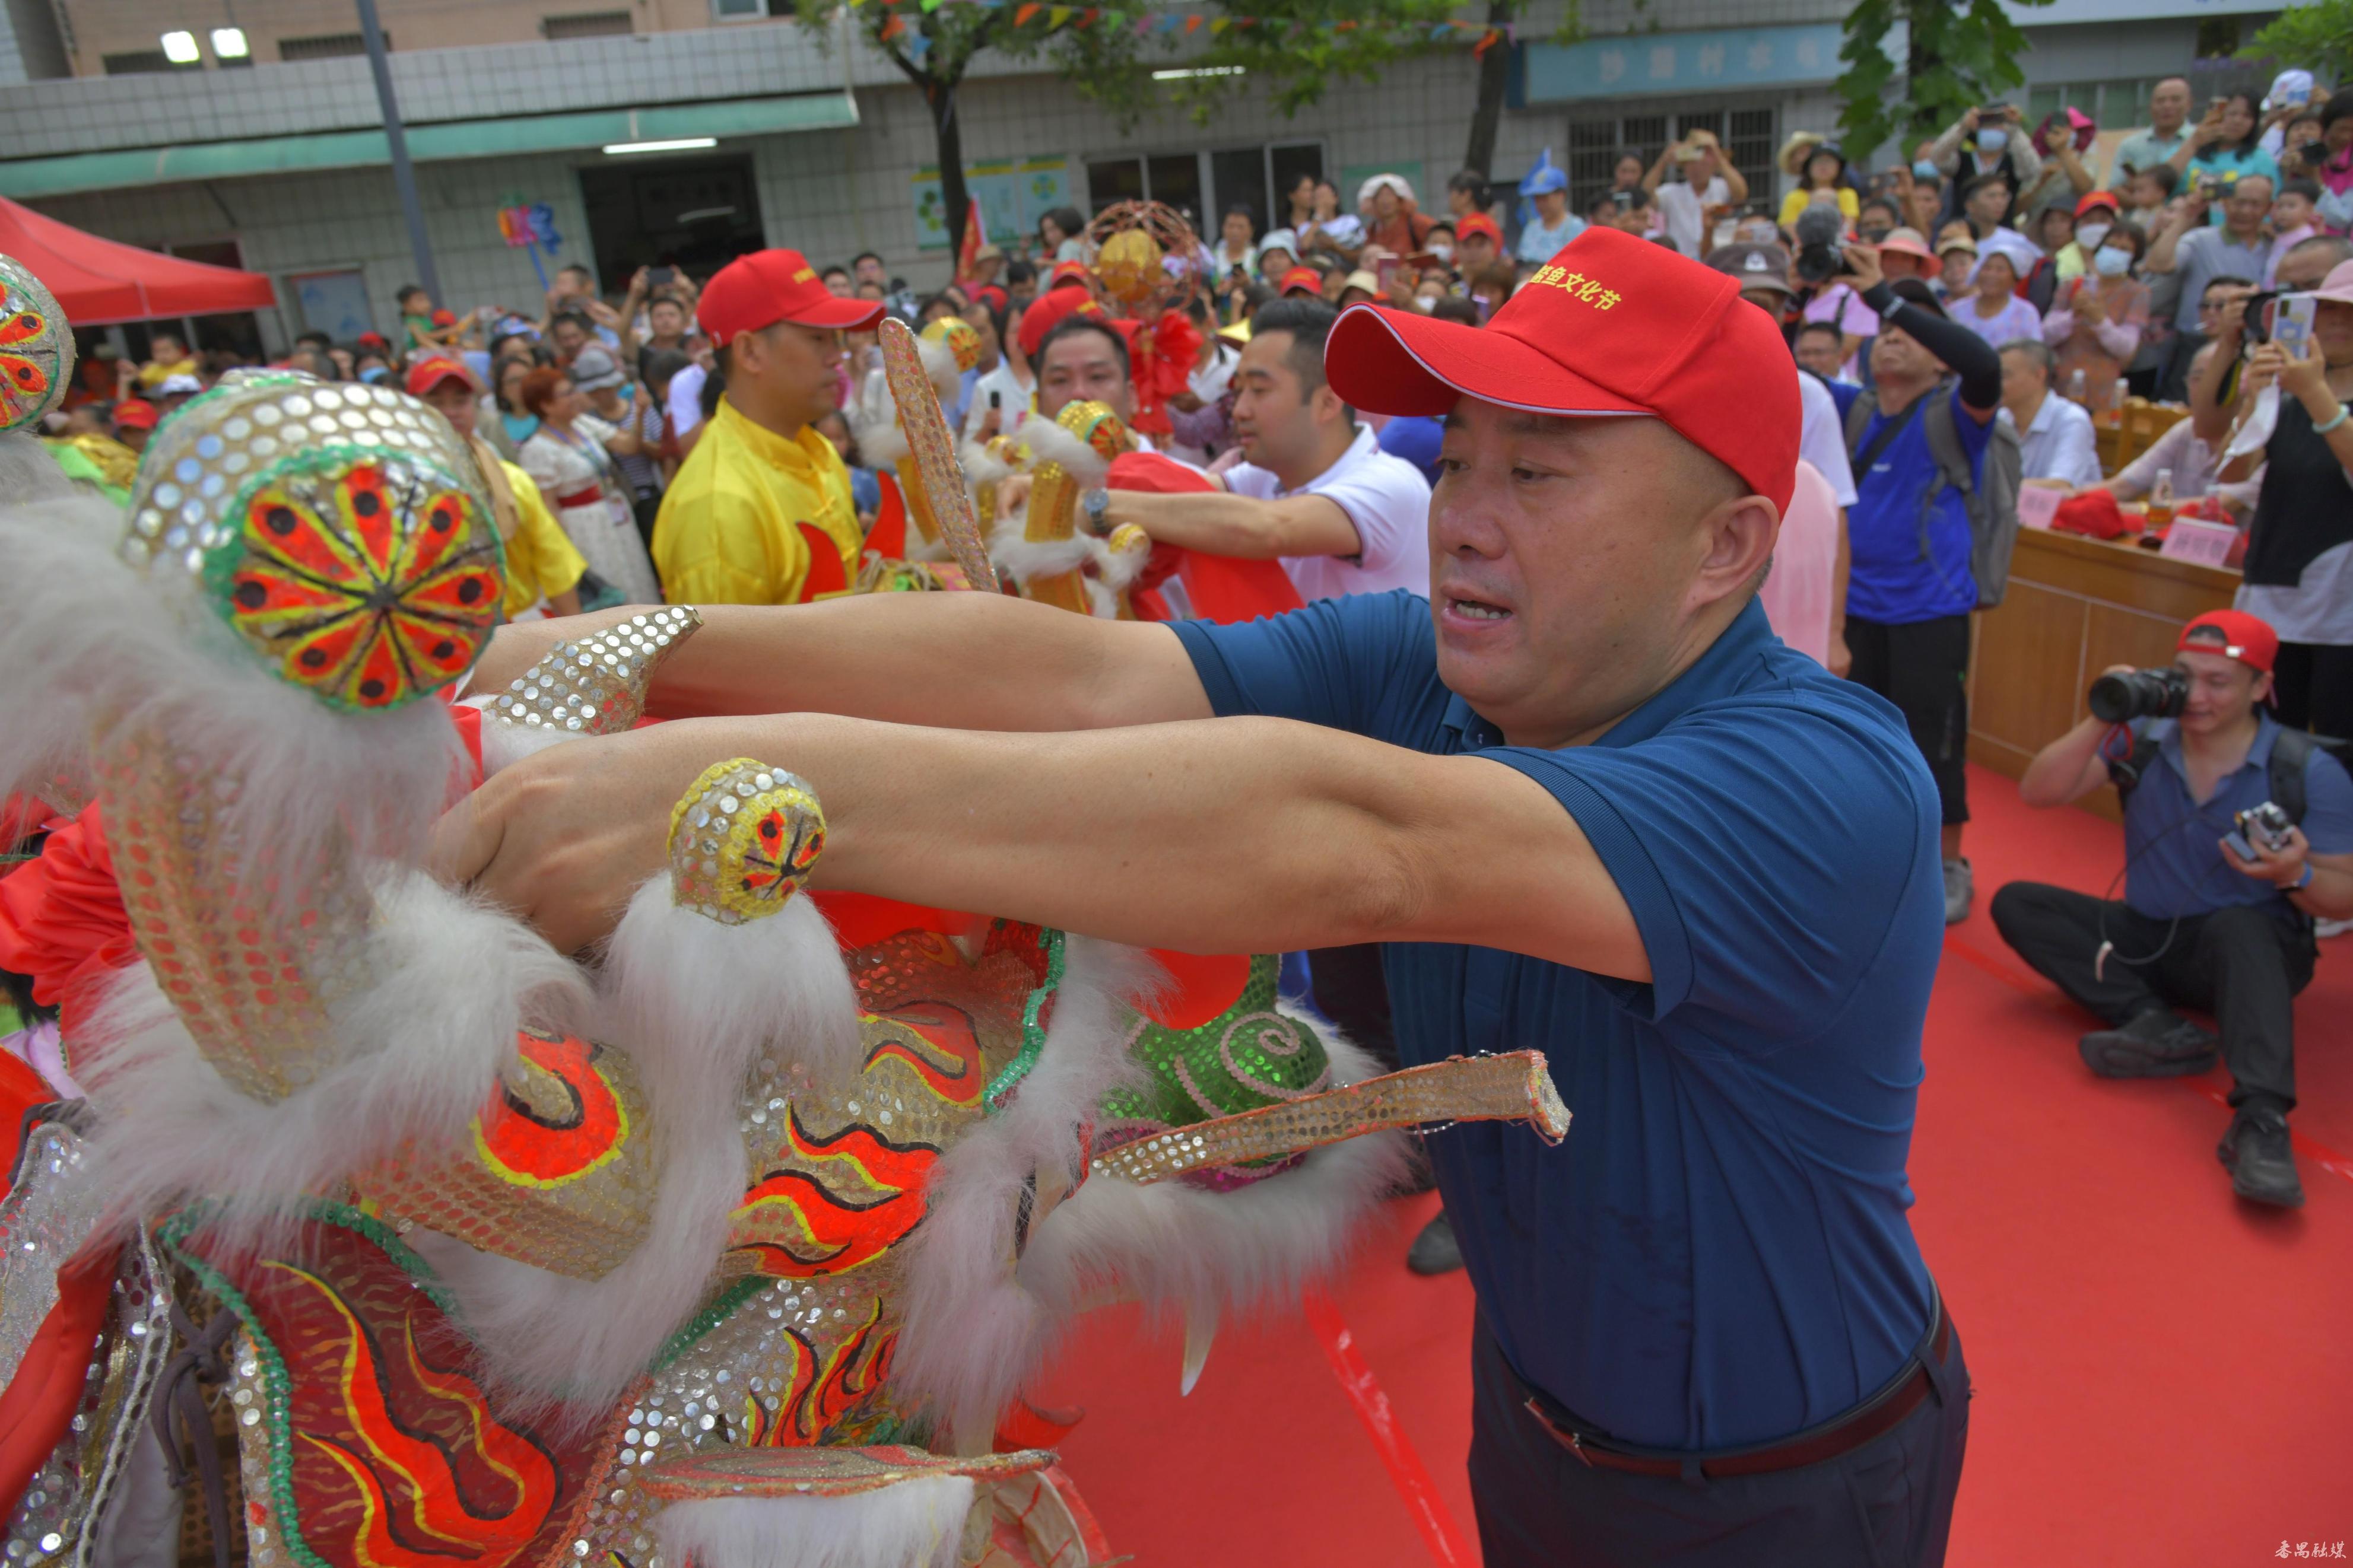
x=2139, y=694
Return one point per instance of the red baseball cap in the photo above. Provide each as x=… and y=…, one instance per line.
x=371, y=340
x=135, y=414
x=431, y=372
x=445, y=318
x=1613, y=324
x=1304, y=277
x=2233, y=634
x=1478, y=223
x=770, y=285
x=2098, y=199
x=1066, y=272
x=1058, y=305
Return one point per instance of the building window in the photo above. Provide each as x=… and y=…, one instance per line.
x=589, y=25
x=1204, y=184
x=739, y=10
x=325, y=47
x=2109, y=103
x=1596, y=145
x=138, y=62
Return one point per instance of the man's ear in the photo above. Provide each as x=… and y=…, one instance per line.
x=1736, y=546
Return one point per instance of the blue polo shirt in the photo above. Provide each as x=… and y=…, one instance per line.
x=1718, y=1254
x=1897, y=571
x=2173, y=851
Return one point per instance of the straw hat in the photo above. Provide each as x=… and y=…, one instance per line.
x=1799, y=148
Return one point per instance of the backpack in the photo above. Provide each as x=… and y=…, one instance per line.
x=1992, y=506
x=2291, y=752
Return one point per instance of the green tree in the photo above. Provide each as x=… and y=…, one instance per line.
x=1958, y=53
x=2318, y=35
x=1289, y=50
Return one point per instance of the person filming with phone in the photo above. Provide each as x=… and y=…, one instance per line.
x=2238, y=836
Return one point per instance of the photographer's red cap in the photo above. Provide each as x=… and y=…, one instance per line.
x=2233, y=634
x=770, y=286
x=1612, y=325
x=1477, y=223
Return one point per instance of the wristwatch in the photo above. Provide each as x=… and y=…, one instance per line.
x=1096, y=506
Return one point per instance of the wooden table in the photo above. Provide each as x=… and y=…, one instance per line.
x=2076, y=605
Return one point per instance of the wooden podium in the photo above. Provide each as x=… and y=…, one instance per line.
x=2076, y=605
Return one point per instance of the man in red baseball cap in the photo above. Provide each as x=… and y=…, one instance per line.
x=2238, y=836
x=1587, y=802
x=135, y=419
x=1477, y=242
x=542, y=567
x=760, y=513
x=1303, y=280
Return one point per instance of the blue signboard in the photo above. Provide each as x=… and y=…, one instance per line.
x=1635, y=65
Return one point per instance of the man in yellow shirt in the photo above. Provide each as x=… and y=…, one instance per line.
x=541, y=561
x=760, y=513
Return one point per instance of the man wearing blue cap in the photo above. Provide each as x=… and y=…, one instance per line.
x=1553, y=225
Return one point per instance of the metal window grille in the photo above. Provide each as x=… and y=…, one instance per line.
x=588, y=25
x=325, y=47
x=137, y=62
x=1596, y=145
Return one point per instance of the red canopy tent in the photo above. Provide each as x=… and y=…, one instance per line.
x=101, y=281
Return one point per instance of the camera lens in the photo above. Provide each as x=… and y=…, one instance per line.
x=2138, y=694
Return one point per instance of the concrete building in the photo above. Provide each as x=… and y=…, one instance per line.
x=274, y=159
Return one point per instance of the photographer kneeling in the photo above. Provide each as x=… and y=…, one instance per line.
x=2220, y=894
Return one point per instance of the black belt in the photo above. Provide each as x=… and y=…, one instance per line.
x=1874, y=1417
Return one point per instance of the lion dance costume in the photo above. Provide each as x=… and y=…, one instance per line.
x=733, y=1248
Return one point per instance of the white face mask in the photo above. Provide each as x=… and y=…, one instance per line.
x=1440, y=249
x=2089, y=234
x=2113, y=263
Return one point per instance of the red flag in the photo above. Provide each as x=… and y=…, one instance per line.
x=1224, y=588
x=1021, y=16
x=968, y=248
x=1483, y=45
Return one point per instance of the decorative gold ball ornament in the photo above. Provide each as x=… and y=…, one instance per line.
x=1129, y=266
x=1098, y=427
x=958, y=337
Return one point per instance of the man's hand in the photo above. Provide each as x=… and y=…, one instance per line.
x=2209, y=129
x=1841, y=658
x=2281, y=867
x=1970, y=118
x=565, y=837
x=1863, y=269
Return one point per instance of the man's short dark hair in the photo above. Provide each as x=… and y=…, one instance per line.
x=2337, y=244
x=1977, y=183
x=835, y=271
x=315, y=339
x=2168, y=178
x=2228, y=280
x=1455, y=307
x=1473, y=183
x=1827, y=329
x=872, y=255
x=1072, y=326
x=2338, y=107
x=408, y=289
x=2308, y=189
x=657, y=367
x=576, y=270
x=578, y=318
x=1309, y=322
x=1019, y=272
x=1884, y=203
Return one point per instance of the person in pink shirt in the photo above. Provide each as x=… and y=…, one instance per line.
x=1805, y=591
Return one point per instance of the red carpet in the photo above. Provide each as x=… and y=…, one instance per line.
x=2164, y=1376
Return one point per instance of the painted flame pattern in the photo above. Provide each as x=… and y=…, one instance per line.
x=822, y=1390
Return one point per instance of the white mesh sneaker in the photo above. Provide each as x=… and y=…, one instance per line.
x=1959, y=887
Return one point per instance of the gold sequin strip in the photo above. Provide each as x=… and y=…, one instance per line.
x=823, y=1472
x=928, y=442
x=596, y=685
x=742, y=840
x=1511, y=1087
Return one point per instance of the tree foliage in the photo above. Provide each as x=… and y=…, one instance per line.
x=2318, y=35
x=1287, y=51
x=1958, y=53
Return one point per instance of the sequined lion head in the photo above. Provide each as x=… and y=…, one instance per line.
x=1098, y=427
x=36, y=351
x=342, y=531
x=957, y=336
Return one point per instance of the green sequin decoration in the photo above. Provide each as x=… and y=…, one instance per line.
x=1248, y=1057
x=1033, y=1029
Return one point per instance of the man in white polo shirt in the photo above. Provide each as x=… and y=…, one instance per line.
x=1315, y=491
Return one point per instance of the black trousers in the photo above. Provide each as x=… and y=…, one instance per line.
x=1887, y=1504
x=1923, y=670
x=2242, y=964
x=2312, y=685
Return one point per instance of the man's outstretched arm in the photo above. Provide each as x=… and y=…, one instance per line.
x=973, y=661
x=1222, y=835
